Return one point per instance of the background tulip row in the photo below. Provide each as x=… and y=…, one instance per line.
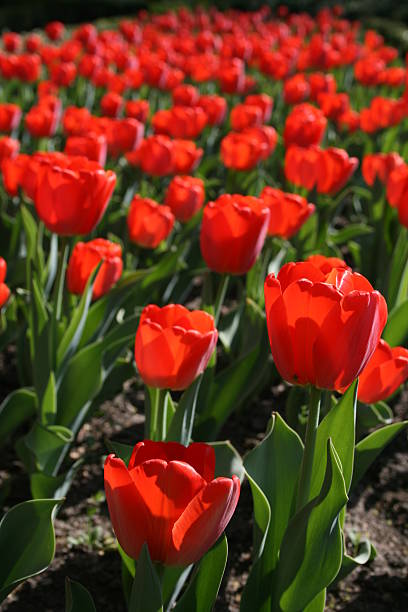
x=214, y=203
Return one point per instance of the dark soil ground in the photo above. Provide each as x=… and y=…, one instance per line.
x=86, y=546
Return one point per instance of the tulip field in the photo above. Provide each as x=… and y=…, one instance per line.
x=203, y=314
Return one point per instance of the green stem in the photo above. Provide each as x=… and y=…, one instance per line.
x=219, y=299
x=156, y=414
x=58, y=296
x=308, y=452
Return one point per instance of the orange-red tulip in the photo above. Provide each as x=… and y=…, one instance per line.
x=4, y=290
x=168, y=498
x=245, y=115
x=215, y=108
x=383, y=374
x=173, y=345
x=185, y=196
x=10, y=116
x=288, y=211
x=304, y=126
x=149, y=222
x=379, y=166
x=92, y=146
x=9, y=148
x=233, y=232
x=323, y=328
x=83, y=261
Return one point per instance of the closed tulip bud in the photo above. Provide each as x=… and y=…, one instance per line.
x=384, y=373
x=137, y=109
x=9, y=148
x=55, y=30
x=84, y=259
x=215, y=108
x=323, y=328
x=76, y=121
x=93, y=146
x=264, y=102
x=168, y=498
x=185, y=95
x=233, y=232
x=11, y=41
x=10, y=116
x=304, y=126
x=185, y=196
x=288, y=212
x=173, y=345
x=335, y=168
x=242, y=151
x=63, y=74
x=296, y=89
x=79, y=181
x=41, y=121
x=244, y=116
x=149, y=222
x=111, y=104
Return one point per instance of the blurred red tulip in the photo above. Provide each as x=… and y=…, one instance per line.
x=185, y=196
x=149, y=222
x=92, y=146
x=304, y=126
x=384, y=373
x=10, y=116
x=288, y=211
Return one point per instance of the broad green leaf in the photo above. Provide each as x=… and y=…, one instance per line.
x=312, y=547
x=228, y=462
x=43, y=486
x=365, y=553
x=49, y=402
x=398, y=270
x=27, y=534
x=77, y=598
x=318, y=603
x=368, y=449
x=339, y=425
x=46, y=443
x=352, y=230
x=146, y=592
x=203, y=588
x=123, y=451
x=373, y=415
x=396, y=330
x=30, y=229
x=18, y=406
x=181, y=425
x=274, y=467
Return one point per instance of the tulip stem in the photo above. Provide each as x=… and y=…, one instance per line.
x=156, y=414
x=308, y=452
x=58, y=295
x=219, y=299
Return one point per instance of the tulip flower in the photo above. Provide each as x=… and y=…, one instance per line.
x=185, y=95
x=137, y=109
x=111, y=104
x=326, y=264
x=10, y=116
x=296, y=89
x=173, y=345
x=83, y=261
x=233, y=232
x=397, y=189
x=79, y=182
x=186, y=156
x=55, y=30
x=185, y=196
x=384, y=373
x=379, y=166
x=149, y=222
x=180, y=122
x=306, y=309
x=9, y=148
x=242, y=151
x=155, y=155
x=92, y=146
x=41, y=121
x=334, y=169
x=264, y=102
x=288, y=212
x=168, y=498
x=245, y=115
x=304, y=126
x=4, y=290
x=215, y=108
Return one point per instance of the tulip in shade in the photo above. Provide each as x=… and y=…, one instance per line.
x=173, y=345
x=288, y=211
x=383, y=374
x=379, y=166
x=149, y=222
x=185, y=196
x=168, y=498
x=233, y=232
x=83, y=261
x=71, y=197
x=323, y=328
x=4, y=290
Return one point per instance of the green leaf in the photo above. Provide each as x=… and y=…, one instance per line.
x=273, y=468
x=318, y=603
x=368, y=449
x=43, y=486
x=146, y=592
x=49, y=402
x=312, y=547
x=373, y=415
x=123, y=451
x=77, y=598
x=353, y=230
x=202, y=590
x=365, y=553
x=45, y=443
x=396, y=330
x=30, y=229
x=27, y=534
x=181, y=425
x=228, y=461
x=18, y=406
x=339, y=425
x=398, y=271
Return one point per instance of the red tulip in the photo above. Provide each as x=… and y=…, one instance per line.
x=215, y=108
x=155, y=155
x=137, y=109
x=185, y=196
x=266, y=135
x=397, y=190
x=304, y=126
x=149, y=222
x=321, y=82
x=10, y=116
x=335, y=168
x=41, y=121
x=185, y=95
x=173, y=345
x=168, y=498
x=33, y=43
x=242, y=151
x=76, y=121
x=264, y=102
x=383, y=374
x=4, y=290
x=111, y=104
x=288, y=211
x=245, y=115
x=301, y=165
x=180, y=122
x=326, y=264
x=187, y=156
x=11, y=41
x=333, y=105
x=323, y=328
x=71, y=196
x=92, y=146
x=83, y=261
x=63, y=73
x=296, y=89
x=54, y=30
x=123, y=135
x=233, y=232
x=379, y=166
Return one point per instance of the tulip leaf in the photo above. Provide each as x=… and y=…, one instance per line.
x=351, y=231
x=398, y=272
x=272, y=468
x=146, y=592
x=373, y=415
x=396, y=330
x=339, y=425
x=318, y=603
x=228, y=461
x=365, y=552
x=49, y=402
x=181, y=425
x=44, y=486
x=27, y=534
x=203, y=588
x=18, y=406
x=43, y=445
x=30, y=229
x=77, y=598
x=368, y=449
x=123, y=451
x=73, y=333
x=312, y=547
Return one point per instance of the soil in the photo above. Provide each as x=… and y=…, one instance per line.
x=86, y=546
